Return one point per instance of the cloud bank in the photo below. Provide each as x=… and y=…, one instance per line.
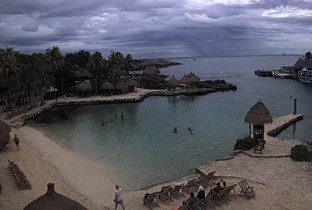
x=159, y=28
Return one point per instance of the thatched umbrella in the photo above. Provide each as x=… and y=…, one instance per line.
x=258, y=115
x=4, y=134
x=107, y=88
x=121, y=87
x=185, y=80
x=194, y=79
x=54, y=201
x=132, y=84
x=173, y=82
x=151, y=70
x=84, y=87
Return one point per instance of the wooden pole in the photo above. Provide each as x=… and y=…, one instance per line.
x=295, y=106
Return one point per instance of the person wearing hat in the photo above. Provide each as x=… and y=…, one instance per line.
x=201, y=193
x=16, y=141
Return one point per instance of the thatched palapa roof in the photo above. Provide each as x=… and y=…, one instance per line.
x=83, y=73
x=83, y=87
x=173, y=82
x=151, y=70
x=121, y=86
x=258, y=115
x=132, y=83
x=4, y=132
x=107, y=86
x=299, y=65
x=54, y=201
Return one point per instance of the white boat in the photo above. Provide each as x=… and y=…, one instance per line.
x=305, y=75
x=282, y=74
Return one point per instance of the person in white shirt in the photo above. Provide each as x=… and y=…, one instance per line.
x=118, y=197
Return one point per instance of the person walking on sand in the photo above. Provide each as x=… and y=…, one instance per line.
x=118, y=197
x=16, y=141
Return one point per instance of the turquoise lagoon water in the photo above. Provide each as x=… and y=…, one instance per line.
x=142, y=150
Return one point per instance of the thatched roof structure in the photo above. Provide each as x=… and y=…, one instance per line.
x=51, y=89
x=194, y=79
x=173, y=82
x=4, y=132
x=151, y=70
x=132, y=83
x=83, y=73
x=54, y=201
x=308, y=63
x=107, y=86
x=258, y=115
x=299, y=65
x=121, y=86
x=83, y=87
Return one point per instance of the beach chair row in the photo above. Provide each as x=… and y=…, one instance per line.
x=19, y=176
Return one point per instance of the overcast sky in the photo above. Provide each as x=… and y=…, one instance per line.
x=159, y=28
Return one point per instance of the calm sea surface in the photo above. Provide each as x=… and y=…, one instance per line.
x=142, y=149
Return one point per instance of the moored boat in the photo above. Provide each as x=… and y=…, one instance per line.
x=305, y=75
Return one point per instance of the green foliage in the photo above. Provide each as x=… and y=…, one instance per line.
x=246, y=143
x=301, y=153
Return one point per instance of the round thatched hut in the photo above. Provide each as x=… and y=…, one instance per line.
x=121, y=87
x=107, y=88
x=83, y=74
x=186, y=80
x=151, y=70
x=194, y=79
x=132, y=84
x=54, y=201
x=4, y=134
x=257, y=116
x=173, y=83
x=83, y=88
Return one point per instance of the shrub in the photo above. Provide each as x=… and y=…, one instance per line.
x=301, y=153
x=246, y=143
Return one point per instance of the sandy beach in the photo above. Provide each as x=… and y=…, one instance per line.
x=279, y=182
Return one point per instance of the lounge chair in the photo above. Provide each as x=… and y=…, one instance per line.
x=191, y=186
x=150, y=200
x=164, y=193
x=207, y=202
x=176, y=191
x=247, y=191
x=220, y=197
x=207, y=180
x=230, y=191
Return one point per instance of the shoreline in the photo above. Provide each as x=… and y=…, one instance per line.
x=87, y=181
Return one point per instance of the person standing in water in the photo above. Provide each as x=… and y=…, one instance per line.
x=121, y=116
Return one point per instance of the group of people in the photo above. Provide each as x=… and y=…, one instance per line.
x=175, y=130
x=116, y=118
x=201, y=195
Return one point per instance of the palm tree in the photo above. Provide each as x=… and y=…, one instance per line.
x=115, y=64
x=129, y=64
x=57, y=63
x=9, y=68
x=96, y=63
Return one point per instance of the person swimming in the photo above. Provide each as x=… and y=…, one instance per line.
x=175, y=130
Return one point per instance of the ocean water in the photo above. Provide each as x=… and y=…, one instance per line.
x=142, y=149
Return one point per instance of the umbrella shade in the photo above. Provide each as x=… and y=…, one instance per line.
x=121, y=86
x=258, y=114
x=194, y=79
x=4, y=127
x=107, y=86
x=54, y=201
x=132, y=83
x=83, y=87
x=173, y=82
x=151, y=70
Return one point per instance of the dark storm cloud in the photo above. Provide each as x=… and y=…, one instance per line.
x=158, y=27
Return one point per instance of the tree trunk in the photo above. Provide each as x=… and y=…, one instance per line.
x=9, y=95
x=29, y=98
x=62, y=84
x=96, y=82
